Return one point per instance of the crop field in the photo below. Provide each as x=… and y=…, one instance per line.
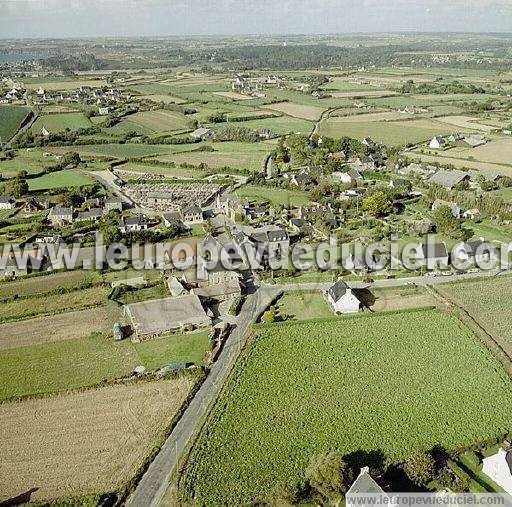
x=311, y=387
x=160, y=120
x=280, y=125
x=11, y=118
x=44, y=284
x=158, y=352
x=62, y=365
x=65, y=84
x=467, y=123
x=84, y=443
x=236, y=155
x=57, y=303
x=60, y=179
x=462, y=163
x=129, y=150
x=394, y=133
x=488, y=302
x=61, y=121
x=297, y=110
x=276, y=196
x=64, y=326
x=171, y=172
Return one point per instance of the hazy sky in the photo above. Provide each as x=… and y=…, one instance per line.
x=81, y=18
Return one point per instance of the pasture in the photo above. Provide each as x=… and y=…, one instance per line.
x=160, y=121
x=62, y=365
x=129, y=150
x=305, y=112
x=11, y=119
x=158, y=352
x=56, y=303
x=54, y=123
x=248, y=156
x=275, y=196
x=63, y=326
x=307, y=388
x=393, y=133
x=61, y=179
x=85, y=443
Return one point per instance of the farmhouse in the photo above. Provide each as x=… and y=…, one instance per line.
x=437, y=143
x=449, y=179
x=114, y=204
x=475, y=141
x=61, y=216
x=133, y=223
x=499, y=468
x=434, y=255
x=7, y=202
x=342, y=299
x=172, y=218
x=93, y=214
x=479, y=251
x=454, y=207
x=193, y=215
x=35, y=204
x=350, y=177
x=364, y=484
x=172, y=314
x=203, y=134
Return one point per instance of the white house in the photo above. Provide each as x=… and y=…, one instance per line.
x=7, y=202
x=434, y=255
x=437, y=143
x=364, y=484
x=342, y=299
x=499, y=468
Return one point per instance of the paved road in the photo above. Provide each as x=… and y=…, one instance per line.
x=394, y=282
x=155, y=481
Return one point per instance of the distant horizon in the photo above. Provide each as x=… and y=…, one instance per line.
x=269, y=35
x=79, y=19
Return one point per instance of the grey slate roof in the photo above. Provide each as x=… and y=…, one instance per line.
x=436, y=250
x=448, y=179
x=365, y=483
x=338, y=290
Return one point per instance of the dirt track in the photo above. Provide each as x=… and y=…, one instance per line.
x=83, y=443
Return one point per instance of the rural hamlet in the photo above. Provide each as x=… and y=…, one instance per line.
x=268, y=268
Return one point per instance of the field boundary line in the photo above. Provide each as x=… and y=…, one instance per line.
x=478, y=329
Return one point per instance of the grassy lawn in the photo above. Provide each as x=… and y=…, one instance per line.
x=61, y=121
x=60, y=179
x=62, y=365
x=11, y=118
x=347, y=385
x=190, y=348
x=276, y=196
x=304, y=306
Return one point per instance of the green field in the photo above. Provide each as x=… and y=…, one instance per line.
x=248, y=156
x=11, y=118
x=130, y=150
x=32, y=162
x=488, y=302
x=279, y=126
x=190, y=348
x=303, y=306
x=63, y=365
x=25, y=308
x=61, y=121
x=60, y=179
x=276, y=196
x=385, y=384
x=394, y=133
